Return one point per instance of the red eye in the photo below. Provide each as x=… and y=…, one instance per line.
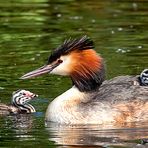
x=60, y=61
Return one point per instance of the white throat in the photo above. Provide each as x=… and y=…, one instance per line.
x=62, y=109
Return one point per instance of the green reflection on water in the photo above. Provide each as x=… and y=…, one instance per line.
x=30, y=29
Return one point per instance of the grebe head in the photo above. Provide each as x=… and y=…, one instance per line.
x=77, y=59
x=144, y=77
x=20, y=99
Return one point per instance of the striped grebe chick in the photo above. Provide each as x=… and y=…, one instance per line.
x=91, y=100
x=19, y=103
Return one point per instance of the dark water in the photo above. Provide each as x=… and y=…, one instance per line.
x=29, y=29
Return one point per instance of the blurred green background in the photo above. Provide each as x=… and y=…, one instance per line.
x=30, y=29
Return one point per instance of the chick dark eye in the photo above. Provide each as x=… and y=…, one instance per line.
x=60, y=61
x=22, y=94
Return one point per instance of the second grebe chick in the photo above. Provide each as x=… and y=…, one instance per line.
x=90, y=100
x=19, y=103
x=144, y=77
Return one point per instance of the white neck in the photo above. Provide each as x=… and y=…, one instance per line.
x=63, y=108
x=28, y=108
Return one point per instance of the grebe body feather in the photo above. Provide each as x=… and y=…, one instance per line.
x=114, y=102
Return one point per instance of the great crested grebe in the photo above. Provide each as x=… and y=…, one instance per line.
x=121, y=99
x=19, y=103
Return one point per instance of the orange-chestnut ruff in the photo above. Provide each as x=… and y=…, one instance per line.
x=86, y=67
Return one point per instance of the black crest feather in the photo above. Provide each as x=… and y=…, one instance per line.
x=69, y=45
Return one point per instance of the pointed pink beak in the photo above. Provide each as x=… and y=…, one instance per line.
x=40, y=71
x=30, y=94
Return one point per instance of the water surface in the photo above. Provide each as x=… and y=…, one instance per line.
x=30, y=29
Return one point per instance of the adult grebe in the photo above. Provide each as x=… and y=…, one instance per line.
x=19, y=103
x=119, y=100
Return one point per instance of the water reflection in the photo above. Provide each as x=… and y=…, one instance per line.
x=97, y=135
x=29, y=29
x=21, y=122
x=17, y=127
